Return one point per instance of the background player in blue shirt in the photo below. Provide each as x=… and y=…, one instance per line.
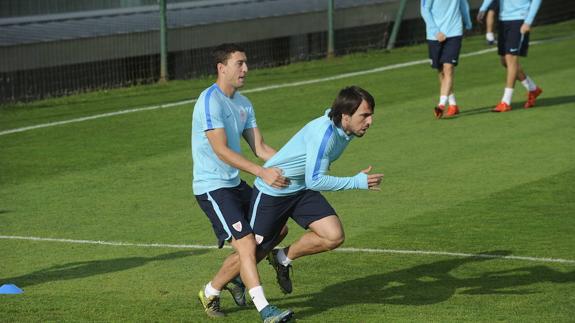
x=515, y=20
x=444, y=20
x=305, y=160
x=221, y=117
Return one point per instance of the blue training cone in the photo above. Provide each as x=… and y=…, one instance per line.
x=10, y=289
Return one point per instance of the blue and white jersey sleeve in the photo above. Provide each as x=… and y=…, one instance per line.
x=324, y=147
x=464, y=9
x=208, y=112
x=532, y=12
x=251, y=116
x=430, y=26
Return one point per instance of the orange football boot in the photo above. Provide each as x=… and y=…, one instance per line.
x=531, y=97
x=452, y=110
x=502, y=107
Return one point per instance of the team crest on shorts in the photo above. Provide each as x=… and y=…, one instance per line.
x=237, y=226
x=259, y=239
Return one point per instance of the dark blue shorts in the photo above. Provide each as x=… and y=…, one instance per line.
x=268, y=214
x=494, y=5
x=227, y=209
x=446, y=52
x=510, y=40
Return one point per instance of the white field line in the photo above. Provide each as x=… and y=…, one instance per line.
x=259, y=89
x=344, y=250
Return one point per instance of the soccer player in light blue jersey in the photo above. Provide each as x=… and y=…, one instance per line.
x=515, y=20
x=221, y=117
x=444, y=21
x=305, y=160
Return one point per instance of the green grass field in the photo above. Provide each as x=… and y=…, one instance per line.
x=498, y=184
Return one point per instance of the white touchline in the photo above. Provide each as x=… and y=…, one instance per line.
x=344, y=250
x=259, y=89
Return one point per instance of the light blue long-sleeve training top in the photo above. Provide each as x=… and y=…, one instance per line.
x=515, y=9
x=306, y=157
x=446, y=16
x=214, y=110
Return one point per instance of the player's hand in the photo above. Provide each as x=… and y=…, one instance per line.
x=373, y=180
x=274, y=177
x=525, y=28
x=480, y=16
x=440, y=37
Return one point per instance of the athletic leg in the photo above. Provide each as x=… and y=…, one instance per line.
x=326, y=234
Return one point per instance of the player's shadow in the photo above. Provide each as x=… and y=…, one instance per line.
x=425, y=284
x=82, y=269
x=518, y=106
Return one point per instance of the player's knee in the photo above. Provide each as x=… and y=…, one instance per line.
x=245, y=245
x=335, y=241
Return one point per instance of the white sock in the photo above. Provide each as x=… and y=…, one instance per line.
x=507, y=95
x=489, y=36
x=451, y=99
x=283, y=258
x=258, y=297
x=442, y=100
x=209, y=290
x=529, y=84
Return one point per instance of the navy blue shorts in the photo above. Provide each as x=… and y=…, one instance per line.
x=494, y=5
x=511, y=40
x=268, y=214
x=445, y=52
x=227, y=208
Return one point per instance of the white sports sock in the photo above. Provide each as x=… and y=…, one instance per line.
x=283, y=258
x=529, y=84
x=489, y=36
x=209, y=290
x=451, y=99
x=507, y=95
x=258, y=297
x=442, y=100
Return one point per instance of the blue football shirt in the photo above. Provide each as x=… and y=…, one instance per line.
x=306, y=157
x=446, y=16
x=515, y=9
x=214, y=110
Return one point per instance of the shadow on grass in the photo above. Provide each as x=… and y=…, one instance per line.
x=424, y=285
x=518, y=106
x=84, y=269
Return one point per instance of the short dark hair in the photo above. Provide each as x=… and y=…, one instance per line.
x=222, y=53
x=347, y=102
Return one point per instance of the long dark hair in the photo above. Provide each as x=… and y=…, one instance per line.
x=347, y=102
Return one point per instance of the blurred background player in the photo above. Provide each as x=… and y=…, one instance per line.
x=444, y=20
x=490, y=22
x=515, y=20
